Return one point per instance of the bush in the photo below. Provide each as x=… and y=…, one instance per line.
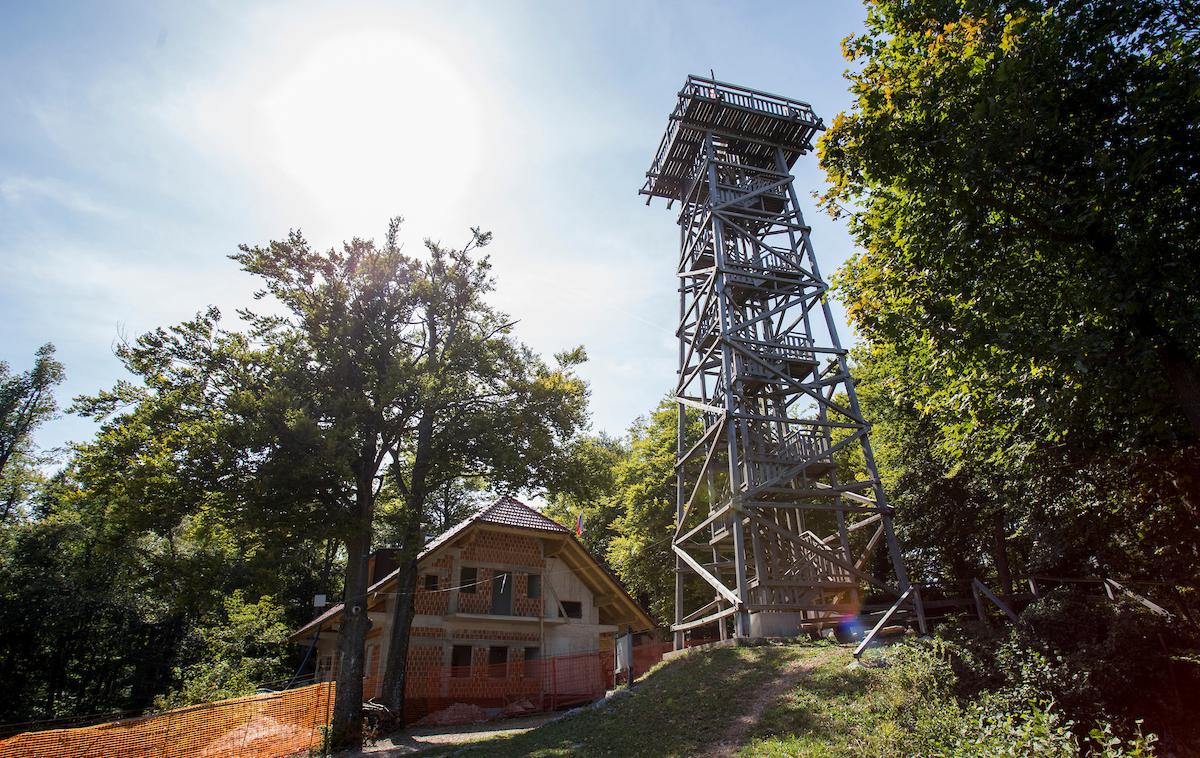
x=242, y=648
x=1099, y=663
x=919, y=685
x=1104, y=660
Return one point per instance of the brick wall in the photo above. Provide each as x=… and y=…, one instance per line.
x=479, y=601
x=426, y=631
x=522, y=553
x=424, y=671
x=492, y=684
x=523, y=605
x=435, y=602
x=500, y=547
x=373, y=669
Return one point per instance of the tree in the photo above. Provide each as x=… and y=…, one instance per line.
x=276, y=436
x=948, y=509
x=640, y=552
x=1024, y=174
x=238, y=649
x=589, y=489
x=388, y=371
x=26, y=401
x=1021, y=177
x=446, y=506
x=482, y=405
x=132, y=550
x=333, y=407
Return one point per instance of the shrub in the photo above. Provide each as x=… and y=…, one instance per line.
x=1102, y=660
x=919, y=688
x=244, y=647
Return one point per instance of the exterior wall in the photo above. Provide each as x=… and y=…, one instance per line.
x=480, y=600
x=435, y=602
x=568, y=635
x=446, y=617
x=374, y=652
x=490, y=553
x=424, y=661
x=503, y=548
x=325, y=666
x=496, y=635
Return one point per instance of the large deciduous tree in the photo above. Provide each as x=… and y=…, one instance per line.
x=480, y=405
x=26, y=401
x=640, y=551
x=589, y=491
x=1023, y=179
x=163, y=516
x=389, y=369
x=335, y=408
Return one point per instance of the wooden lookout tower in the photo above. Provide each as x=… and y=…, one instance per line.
x=773, y=527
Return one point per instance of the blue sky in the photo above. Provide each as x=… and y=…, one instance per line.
x=141, y=143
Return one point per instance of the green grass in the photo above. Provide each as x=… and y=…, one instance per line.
x=906, y=707
x=678, y=709
x=834, y=711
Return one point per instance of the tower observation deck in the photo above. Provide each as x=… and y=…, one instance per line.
x=773, y=530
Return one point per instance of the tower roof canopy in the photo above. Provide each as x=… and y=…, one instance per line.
x=749, y=124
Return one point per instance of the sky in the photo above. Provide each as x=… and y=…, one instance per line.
x=141, y=143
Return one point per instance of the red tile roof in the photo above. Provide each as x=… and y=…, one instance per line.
x=509, y=511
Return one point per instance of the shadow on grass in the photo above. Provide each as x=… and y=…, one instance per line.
x=830, y=713
x=682, y=707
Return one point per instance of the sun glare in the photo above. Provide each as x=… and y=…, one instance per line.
x=374, y=123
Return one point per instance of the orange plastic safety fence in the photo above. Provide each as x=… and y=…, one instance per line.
x=648, y=654
x=257, y=726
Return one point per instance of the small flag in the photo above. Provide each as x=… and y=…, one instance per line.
x=579, y=525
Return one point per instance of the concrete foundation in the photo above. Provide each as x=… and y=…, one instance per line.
x=775, y=624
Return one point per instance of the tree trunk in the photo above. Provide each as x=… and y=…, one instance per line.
x=1184, y=378
x=395, y=673
x=395, y=677
x=326, y=573
x=1000, y=554
x=346, y=725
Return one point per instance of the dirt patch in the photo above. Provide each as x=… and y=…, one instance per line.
x=731, y=741
x=245, y=739
x=426, y=738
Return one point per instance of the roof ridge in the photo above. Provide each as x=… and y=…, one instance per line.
x=498, y=514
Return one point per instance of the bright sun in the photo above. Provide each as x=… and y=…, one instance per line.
x=373, y=123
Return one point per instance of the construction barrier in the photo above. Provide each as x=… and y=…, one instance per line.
x=646, y=655
x=257, y=726
x=282, y=723
x=489, y=691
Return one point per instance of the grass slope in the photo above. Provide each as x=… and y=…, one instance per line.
x=802, y=700
x=681, y=708
x=836, y=711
